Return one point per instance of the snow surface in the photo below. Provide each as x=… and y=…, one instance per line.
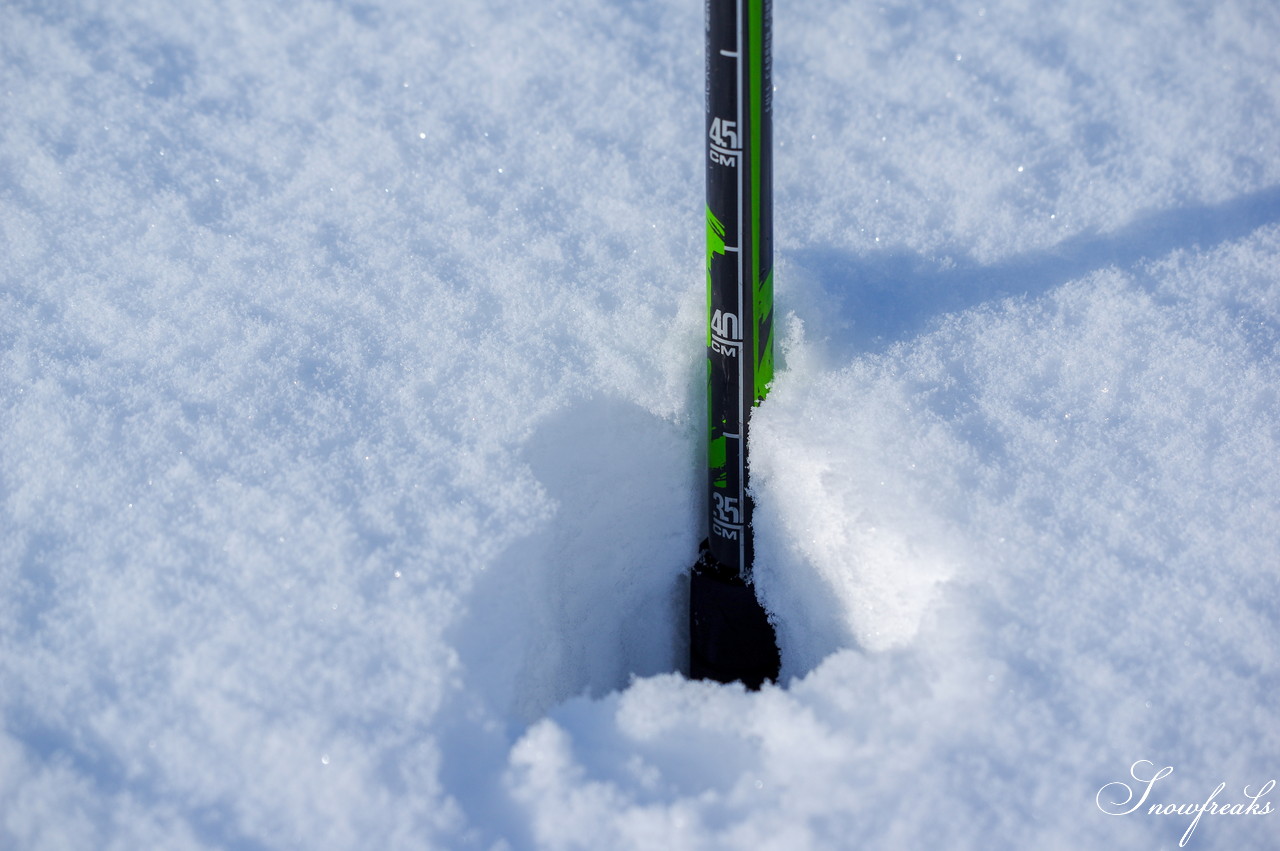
x=350, y=416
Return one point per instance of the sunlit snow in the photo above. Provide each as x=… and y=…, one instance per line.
x=350, y=422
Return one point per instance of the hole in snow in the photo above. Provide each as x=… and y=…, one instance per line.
x=599, y=593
